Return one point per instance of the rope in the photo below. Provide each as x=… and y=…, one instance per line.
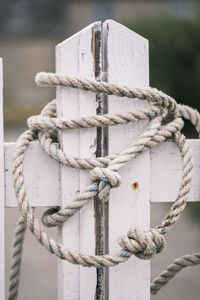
x=178, y=265
x=16, y=258
x=165, y=117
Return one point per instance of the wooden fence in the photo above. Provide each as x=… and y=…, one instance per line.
x=113, y=53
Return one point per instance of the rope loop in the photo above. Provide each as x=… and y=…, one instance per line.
x=106, y=179
x=105, y=176
x=47, y=218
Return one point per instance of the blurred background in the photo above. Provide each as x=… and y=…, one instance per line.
x=29, y=31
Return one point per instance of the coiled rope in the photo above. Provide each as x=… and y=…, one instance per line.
x=165, y=117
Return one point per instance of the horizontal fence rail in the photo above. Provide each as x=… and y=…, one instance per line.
x=164, y=183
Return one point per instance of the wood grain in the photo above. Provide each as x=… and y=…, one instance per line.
x=88, y=146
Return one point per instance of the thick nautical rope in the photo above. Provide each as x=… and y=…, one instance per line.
x=165, y=122
x=16, y=259
x=178, y=265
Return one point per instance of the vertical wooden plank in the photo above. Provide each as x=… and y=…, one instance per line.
x=2, y=198
x=75, y=57
x=68, y=107
x=89, y=67
x=127, y=64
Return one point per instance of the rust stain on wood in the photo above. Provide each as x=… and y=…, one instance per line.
x=135, y=186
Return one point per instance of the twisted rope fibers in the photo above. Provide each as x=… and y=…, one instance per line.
x=165, y=117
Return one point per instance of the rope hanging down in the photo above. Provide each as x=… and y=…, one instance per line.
x=165, y=117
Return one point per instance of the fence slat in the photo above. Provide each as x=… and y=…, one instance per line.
x=127, y=64
x=74, y=57
x=68, y=107
x=2, y=198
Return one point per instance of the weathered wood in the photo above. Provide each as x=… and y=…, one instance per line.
x=2, y=198
x=127, y=64
x=89, y=67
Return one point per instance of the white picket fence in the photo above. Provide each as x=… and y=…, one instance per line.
x=111, y=52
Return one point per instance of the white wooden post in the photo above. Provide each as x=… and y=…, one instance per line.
x=2, y=198
x=125, y=57
x=111, y=52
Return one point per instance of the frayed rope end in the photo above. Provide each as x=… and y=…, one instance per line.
x=41, y=79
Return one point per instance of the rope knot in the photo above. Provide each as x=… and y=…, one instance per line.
x=142, y=243
x=105, y=176
x=107, y=180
